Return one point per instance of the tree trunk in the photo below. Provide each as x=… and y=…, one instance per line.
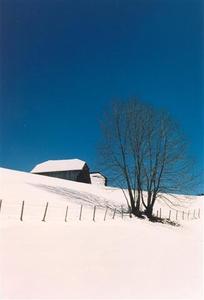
x=149, y=198
x=149, y=211
x=138, y=202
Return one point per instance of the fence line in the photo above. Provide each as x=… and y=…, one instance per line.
x=43, y=220
x=105, y=213
x=66, y=213
x=114, y=213
x=183, y=215
x=119, y=212
x=94, y=213
x=80, y=215
x=22, y=209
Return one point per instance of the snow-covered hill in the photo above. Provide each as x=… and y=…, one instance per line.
x=120, y=258
x=37, y=190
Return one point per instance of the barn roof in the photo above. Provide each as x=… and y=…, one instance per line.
x=59, y=165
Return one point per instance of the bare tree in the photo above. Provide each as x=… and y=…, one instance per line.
x=145, y=152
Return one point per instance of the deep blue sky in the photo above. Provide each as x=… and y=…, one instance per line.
x=63, y=61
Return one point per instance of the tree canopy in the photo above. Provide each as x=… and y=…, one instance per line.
x=146, y=152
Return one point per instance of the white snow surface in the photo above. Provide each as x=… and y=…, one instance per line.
x=59, y=165
x=113, y=259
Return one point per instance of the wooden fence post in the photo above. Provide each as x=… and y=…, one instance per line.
x=80, y=212
x=43, y=220
x=176, y=215
x=169, y=214
x=199, y=213
x=114, y=213
x=183, y=215
x=105, y=213
x=194, y=212
x=0, y=204
x=157, y=213
x=188, y=214
x=122, y=211
x=66, y=214
x=160, y=214
x=94, y=213
x=22, y=209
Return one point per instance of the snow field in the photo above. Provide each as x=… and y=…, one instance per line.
x=37, y=190
x=99, y=261
x=117, y=259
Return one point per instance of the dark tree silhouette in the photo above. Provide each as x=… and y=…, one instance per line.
x=146, y=153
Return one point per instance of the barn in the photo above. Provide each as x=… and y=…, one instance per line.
x=70, y=169
x=98, y=178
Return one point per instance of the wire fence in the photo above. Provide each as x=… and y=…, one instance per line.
x=47, y=211
x=177, y=215
x=66, y=212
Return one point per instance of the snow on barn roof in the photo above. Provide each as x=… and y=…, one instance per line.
x=97, y=173
x=59, y=165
